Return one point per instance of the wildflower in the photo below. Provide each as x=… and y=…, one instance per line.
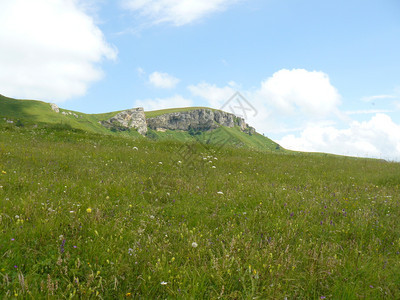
x=3, y=172
x=129, y=294
x=213, y=167
x=135, y=148
x=89, y=210
x=194, y=245
x=13, y=239
x=62, y=246
x=164, y=283
x=220, y=193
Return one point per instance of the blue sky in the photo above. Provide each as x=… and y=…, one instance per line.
x=322, y=75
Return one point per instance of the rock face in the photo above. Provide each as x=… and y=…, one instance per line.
x=197, y=119
x=54, y=107
x=132, y=118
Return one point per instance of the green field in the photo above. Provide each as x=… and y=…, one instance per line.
x=32, y=113
x=90, y=215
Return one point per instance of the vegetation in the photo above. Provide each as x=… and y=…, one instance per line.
x=35, y=113
x=85, y=215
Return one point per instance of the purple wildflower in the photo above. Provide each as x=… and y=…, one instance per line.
x=62, y=246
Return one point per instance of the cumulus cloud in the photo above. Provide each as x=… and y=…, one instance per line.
x=297, y=95
x=176, y=12
x=214, y=95
x=299, y=90
x=163, y=103
x=379, y=137
x=163, y=80
x=49, y=49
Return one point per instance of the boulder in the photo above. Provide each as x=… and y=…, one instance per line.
x=132, y=118
x=55, y=107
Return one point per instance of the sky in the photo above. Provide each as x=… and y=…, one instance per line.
x=314, y=75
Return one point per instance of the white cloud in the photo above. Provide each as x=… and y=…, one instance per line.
x=177, y=12
x=367, y=111
x=287, y=99
x=163, y=80
x=379, y=137
x=378, y=97
x=299, y=90
x=215, y=96
x=49, y=49
x=163, y=103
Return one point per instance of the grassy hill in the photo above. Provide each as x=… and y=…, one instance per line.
x=30, y=112
x=88, y=215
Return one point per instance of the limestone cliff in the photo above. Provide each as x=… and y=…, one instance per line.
x=132, y=118
x=201, y=119
x=198, y=119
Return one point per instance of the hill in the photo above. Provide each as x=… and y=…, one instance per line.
x=90, y=215
x=31, y=112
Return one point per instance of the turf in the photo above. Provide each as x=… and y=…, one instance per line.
x=86, y=215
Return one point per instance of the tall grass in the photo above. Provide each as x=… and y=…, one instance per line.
x=85, y=215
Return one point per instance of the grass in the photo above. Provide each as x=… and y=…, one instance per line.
x=86, y=215
x=31, y=112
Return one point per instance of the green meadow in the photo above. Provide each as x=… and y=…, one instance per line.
x=87, y=215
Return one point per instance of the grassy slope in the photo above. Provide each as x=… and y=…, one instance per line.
x=38, y=112
x=295, y=226
x=33, y=112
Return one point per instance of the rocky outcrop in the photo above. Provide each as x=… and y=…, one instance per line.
x=132, y=118
x=197, y=119
x=201, y=119
x=55, y=107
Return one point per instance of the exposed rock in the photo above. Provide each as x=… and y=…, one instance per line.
x=197, y=119
x=132, y=118
x=55, y=107
x=202, y=119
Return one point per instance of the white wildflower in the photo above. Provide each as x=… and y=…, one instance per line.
x=194, y=245
x=164, y=283
x=220, y=193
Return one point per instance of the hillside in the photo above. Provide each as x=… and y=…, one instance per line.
x=31, y=112
x=87, y=215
